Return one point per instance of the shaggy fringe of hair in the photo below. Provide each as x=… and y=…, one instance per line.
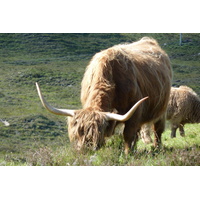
x=89, y=127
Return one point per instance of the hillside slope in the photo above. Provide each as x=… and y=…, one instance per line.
x=57, y=62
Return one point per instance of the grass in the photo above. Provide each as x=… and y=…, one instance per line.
x=180, y=151
x=57, y=62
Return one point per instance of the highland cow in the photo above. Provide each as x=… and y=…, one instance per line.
x=183, y=107
x=115, y=88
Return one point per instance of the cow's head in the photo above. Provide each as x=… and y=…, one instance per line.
x=89, y=127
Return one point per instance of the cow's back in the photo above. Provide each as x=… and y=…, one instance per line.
x=118, y=77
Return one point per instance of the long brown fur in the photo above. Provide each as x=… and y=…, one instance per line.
x=183, y=107
x=116, y=79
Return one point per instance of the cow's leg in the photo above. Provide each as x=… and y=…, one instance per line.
x=159, y=128
x=181, y=130
x=173, y=130
x=130, y=136
x=145, y=133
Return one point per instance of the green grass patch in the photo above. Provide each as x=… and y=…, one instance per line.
x=57, y=62
x=180, y=151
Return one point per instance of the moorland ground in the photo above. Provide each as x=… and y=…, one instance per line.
x=57, y=62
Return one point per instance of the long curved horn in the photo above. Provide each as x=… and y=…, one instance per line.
x=127, y=116
x=63, y=112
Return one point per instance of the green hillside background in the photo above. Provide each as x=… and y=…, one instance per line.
x=57, y=62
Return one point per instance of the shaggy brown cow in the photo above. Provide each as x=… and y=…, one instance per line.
x=115, y=80
x=183, y=107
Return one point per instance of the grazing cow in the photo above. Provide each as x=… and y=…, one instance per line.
x=183, y=107
x=115, y=80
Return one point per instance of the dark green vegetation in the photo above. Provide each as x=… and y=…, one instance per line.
x=57, y=62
